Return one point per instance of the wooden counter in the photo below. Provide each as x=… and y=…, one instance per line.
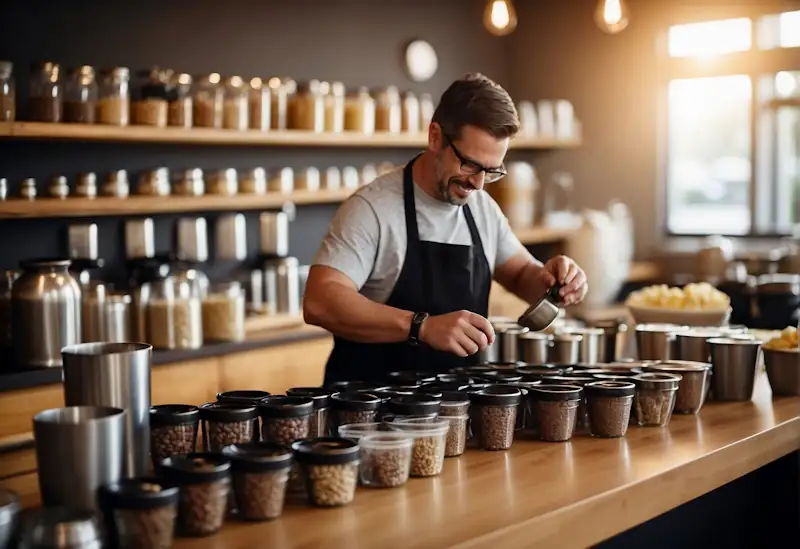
x=549, y=495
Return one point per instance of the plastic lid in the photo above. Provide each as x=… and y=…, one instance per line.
x=285, y=406
x=357, y=430
x=248, y=397
x=569, y=379
x=389, y=392
x=456, y=379
x=326, y=450
x=453, y=396
x=196, y=468
x=356, y=402
x=497, y=395
x=227, y=412
x=410, y=377
x=657, y=380
x=420, y=427
x=258, y=457
x=610, y=388
x=140, y=493
x=501, y=376
x=416, y=405
x=320, y=395
x=173, y=414
x=679, y=366
x=353, y=386
x=541, y=370
x=556, y=392
x=386, y=440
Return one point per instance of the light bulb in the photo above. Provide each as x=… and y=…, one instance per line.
x=611, y=16
x=499, y=17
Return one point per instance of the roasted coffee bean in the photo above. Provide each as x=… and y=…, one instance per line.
x=346, y=417
x=555, y=419
x=457, y=436
x=427, y=457
x=330, y=485
x=284, y=430
x=260, y=496
x=145, y=528
x=221, y=434
x=494, y=426
x=385, y=467
x=201, y=509
x=609, y=415
x=172, y=440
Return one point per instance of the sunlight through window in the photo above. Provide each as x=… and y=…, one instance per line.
x=710, y=38
x=790, y=29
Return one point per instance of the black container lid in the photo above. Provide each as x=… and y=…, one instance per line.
x=502, y=376
x=352, y=386
x=285, y=406
x=326, y=450
x=511, y=366
x=173, y=414
x=140, y=493
x=556, y=392
x=497, y=395
x=389, y=392
x=410, y=377
x=541, y=370
x=247, y=397
x=475, y=387
x=258, y=457
x=320, y=395
x=355, y=402
x=414, y=405
x=228, y=412
x=568, y=379
x=195, y=468
x=610, y=388
x=459, y=379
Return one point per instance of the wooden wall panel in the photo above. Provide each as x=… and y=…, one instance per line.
x=191, y=382
x=17, y=408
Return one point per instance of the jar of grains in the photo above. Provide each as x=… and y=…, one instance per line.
x=8, y=106
x=207, y=101
x=80, y=96
x=334, y=108
x=179, y=96
x=150, y=106
x=388, y=110
x=307, y=108
x=235, y=106
x=359, y=113
x=259, y=105
x=410, y=113
x=174, y=315
x=281, y=89
x=223, y=182
x=45, y=95
x=113, y=106
x=426, y=108
x=223, y=313
x=254, y=182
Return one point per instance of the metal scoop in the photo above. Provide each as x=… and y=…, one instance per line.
x=542, y=314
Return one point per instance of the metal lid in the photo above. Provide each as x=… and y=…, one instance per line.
x=657, y=380
x=573, y=337
x=540, y=336
x=61, y=527
x=228, y=412
x=320, y=395
x=246, y=396
x=173, y=414
x=510, y=329
x=702, y=332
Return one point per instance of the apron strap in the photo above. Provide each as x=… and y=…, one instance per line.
x=413, y=258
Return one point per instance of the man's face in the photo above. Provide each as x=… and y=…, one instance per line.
x=460, y=163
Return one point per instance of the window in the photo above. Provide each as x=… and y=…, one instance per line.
x=733, y=126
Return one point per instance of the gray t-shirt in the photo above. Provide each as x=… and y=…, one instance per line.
x=367, y=238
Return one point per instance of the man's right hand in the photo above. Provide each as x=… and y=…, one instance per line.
x=461, y=332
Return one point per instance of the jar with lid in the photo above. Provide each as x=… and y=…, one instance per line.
x=223, y=312
x=8, y=106
x=113, y=107
x=80, y=96
x=388, y=110
x=281, y=89
x=426, y=108
x=142, y=510
x=150, y=105
x=179, y=96
x=154, y=183
x=207, y=101
x=7, y=279
x=116, y=184
x=223, y=183
x=254, y=182
x=235, y=106
x=281, y=181
x=174, y=318
x=330, y=469
x=318, y=427
x=410, y=113
x=190, y=183
x=308, y=179
x=204, y=481
x=260, y=474
x=259, y=105
x=86, y=186
x=334, y=108
x=27, y=189
x=59, y=188
x=307, y=108
x=45, y=96
x=359, y=114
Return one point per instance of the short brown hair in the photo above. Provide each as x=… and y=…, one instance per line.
x=476, y=100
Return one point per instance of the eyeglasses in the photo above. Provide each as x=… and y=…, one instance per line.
x=470, y=167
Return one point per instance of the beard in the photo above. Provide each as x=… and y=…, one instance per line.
x=453, y=190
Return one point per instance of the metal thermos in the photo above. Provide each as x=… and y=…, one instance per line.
x=46, y=308
x=534, y=347
x=282, y=283
x=118, y=375
x=612, y=345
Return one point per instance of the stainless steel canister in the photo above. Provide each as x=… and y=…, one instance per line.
x=615, y=338
x=693, y=344
x=492, y=352
x=506, y=338
x=534, y=347
x=61, y=528
x=591, y=343
x=282, y=285
x=566, y=349
x=658, y=341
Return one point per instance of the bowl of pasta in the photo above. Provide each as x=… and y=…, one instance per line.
x=698, y=304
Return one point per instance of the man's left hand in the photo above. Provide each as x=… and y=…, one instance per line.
x=565, y=272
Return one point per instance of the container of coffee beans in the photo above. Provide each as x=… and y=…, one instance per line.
x=494, y=416
x=356, y=431
x=330, y=469
x=454, y=403
x=385, y=459
x=322, y=399
x=555, y=411
x=352, y=407
x=260, y=471
x=173, y=430
x=694, y=382
x=580, y=379
x=285, y=419
x=251, y=397
x=609, y=404
x=355, y=386
x=142, y=512
x=226, y=423
x=418, y=405
x=456, y=441
x=521, y=422
x=655, y=397
x=204, y=481
x=430, y=438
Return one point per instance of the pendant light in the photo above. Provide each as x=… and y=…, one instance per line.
x=611, y=16
x=500, y=17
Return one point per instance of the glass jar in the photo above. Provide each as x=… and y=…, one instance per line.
x=318, y=425
x=226, y=423
x=143, y=511
x=204, y=480
x=426, y=108
x=555, y=411
x=307, y=108
x=260, y=472
x=223, y=183
x=8, y=105
x=308, y=179
x=410, y=113
x=59, y=187
x=334, y=108
x=223, y=313
x=430, y=437
x=388, y=110
x=351, y=407
x=179, y=96
x=45, y=96
x=174, y=316
x=86, y=186
x=330, y=469
x=208, y=101
x=154, y=183
x=281, y=89
x=150, y=107
x=116, y=184
x=6, y=282
x=27, y=189
x=173, y=431
x=235, y=106
x=359, y=112
x=254, y=182
x=113, y=107
x=259, y=105
x=190, y=183
x=609, y=404
x=655, y=398
x=281, y=181
x=285, y=419
x=494, y=416
x=385, y=459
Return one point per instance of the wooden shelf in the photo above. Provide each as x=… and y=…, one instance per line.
x=542, y=235
x=207, y=136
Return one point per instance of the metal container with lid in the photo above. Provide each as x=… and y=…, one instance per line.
x=591, y=343
x=566, y=348
x=692, y=344
x=61, y=528
x=657, y=341
x=614, y=340
x=282, y=285
x=507, y=342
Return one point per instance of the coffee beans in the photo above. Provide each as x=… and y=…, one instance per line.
x=693, y=384
x=456, y=440
x=556, y=419
x=331, y=485
x=494, y=426
x=260, y=496
x=353, y=407
x=386, y=459
x=145, y=528
x=172, y=440
x=201, y=509
x=284, y=430
x=143, y=511
x=654, y=407
x=427, y=457
x=608, y=415
x=346, y=417
x=219, y=434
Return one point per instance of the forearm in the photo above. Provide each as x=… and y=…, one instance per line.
x=527, y=282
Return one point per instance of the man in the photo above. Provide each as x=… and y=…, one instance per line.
x=402, y=278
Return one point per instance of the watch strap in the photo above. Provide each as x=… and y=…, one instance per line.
x=416, y=325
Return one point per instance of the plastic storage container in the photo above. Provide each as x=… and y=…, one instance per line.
x=285, y=419
x=45, y=93
x=430, y=438
x=655, y=397
x=259, y=472
x=408, y=406
x=356, y=431
x=494, y=416
x=226, y=423
x=385, y=459
x=318, y=425
x=609, y=404
x=235, y=110
x=80, y=96
x=143, y=512
x=207, y=101
x=174, y=318
x=179, y=96
x=352, y=407
x=555, y=411
x=457, y=435
x=224, y=312
x=114, y=103
x=330, y=469
x=204, y=481
x=173, y=430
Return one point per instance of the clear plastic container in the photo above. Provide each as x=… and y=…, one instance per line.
x=80, y=96
x=281, y=89
x=318, y=426
x=260, y=473
x=334, y=108
x=422, y=405
x=330, y=469
x=555, y=411
x=259, y=105
x=356, y=431
x=235, y=110
x=173, y=430
x=174, y=318
x=114, y=103
x=204, y=481
x=223, y=183
x=430, y=439
x=609, y=404
x=207, y=101
x=494, y=416
x=285, y=419
x=226, y=423
x=388, y=110
x=224, y=312
x=655, y=398
x=45, y=94
x=307, y=108
x=8, y=102
x=410, y=113
x=143, y=511
x=179, y=96
x=151, y=107
x=351, y=407
x=457, y=436
x=385, y=459
x=359, y=114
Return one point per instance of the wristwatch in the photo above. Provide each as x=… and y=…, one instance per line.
x=416, y=324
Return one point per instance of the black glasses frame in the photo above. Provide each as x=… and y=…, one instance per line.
x=470, y=167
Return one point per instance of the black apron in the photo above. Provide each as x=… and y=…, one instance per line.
x=436, y=278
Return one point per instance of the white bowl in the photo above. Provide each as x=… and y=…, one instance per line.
x=656, y=315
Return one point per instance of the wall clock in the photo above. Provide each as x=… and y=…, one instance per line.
x=420, y=60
